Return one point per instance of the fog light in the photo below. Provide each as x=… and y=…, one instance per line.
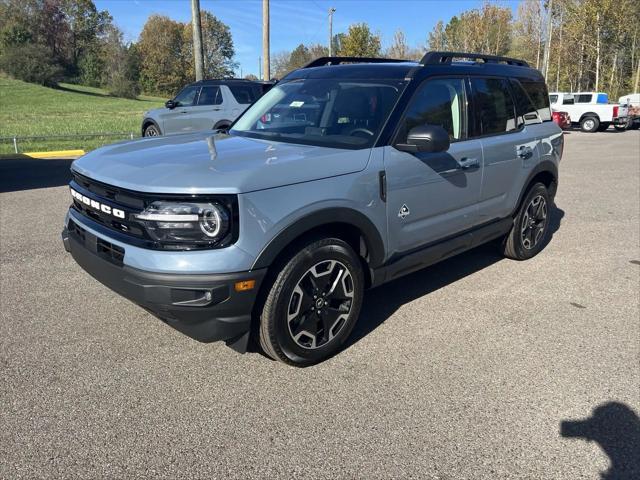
x=245, y=285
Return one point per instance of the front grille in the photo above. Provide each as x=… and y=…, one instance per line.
x=114, y=198
x=128, y=229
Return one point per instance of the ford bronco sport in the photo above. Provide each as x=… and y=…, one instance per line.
x=349, y=173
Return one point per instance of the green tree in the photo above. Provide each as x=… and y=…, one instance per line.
x=217, y=44
x=360, y=42
x=163, y=69
x=119, y=78
x=30, y=62
x=483, y=30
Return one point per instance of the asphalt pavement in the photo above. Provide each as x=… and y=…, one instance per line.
x=477, y=368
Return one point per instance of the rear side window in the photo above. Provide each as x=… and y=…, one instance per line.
x=568, y=101
x=584, y=98
x=538, y=94
x=210, y=96
x=525, y=107
x=438, y=102
x=244, y=94
x=494, y=105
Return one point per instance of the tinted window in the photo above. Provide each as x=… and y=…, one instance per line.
x=494, y=105
x=537, y=92
x=567, y=101
x=186, y=97
x=553, y=98
x=525, y=107
x=244, y=93
x=210, y=96
x=437, y=102
x=585, y=98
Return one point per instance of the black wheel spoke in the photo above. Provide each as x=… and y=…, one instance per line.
x=533, y=222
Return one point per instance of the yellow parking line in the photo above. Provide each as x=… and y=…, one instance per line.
x=55, y=153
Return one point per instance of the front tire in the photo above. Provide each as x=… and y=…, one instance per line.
x=530, y=230
x=151, y=131
x=589, y=124
x=313, y=304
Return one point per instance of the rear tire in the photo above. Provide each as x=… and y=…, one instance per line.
x=589, y=124
x=530, y=229
x=313, y=304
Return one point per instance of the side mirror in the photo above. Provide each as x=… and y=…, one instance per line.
x=170, y=104
x=532, y=118
x=426, y=138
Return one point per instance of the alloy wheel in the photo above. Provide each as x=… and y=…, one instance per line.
x=320, y=304
x=534, y=222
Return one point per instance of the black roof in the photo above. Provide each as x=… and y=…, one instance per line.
x=431, y=63
x=227, y=81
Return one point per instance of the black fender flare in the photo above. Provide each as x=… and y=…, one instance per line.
x=146, y=123
x=546, y=166
x=327, y=216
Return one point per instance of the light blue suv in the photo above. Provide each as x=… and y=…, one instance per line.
x=349, y=173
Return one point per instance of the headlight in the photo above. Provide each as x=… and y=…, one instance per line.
x=179, y=223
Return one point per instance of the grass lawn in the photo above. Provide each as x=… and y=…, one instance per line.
x=32, y=110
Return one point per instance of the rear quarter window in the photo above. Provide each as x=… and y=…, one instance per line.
x=538, y=94
x=244, y=94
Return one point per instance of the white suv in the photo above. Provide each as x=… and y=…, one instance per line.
x=203, y=105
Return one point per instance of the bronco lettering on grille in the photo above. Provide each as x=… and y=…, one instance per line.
x=101, y=207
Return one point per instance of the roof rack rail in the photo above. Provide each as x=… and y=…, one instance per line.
x=436, y=58
x=321, y=61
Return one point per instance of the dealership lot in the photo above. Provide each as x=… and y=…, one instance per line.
x=463, y=370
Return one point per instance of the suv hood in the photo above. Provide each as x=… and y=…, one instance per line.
x=207, y=163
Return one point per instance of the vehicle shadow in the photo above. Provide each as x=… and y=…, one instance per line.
x=616, y=429
x=25, y=173
x=381, y=303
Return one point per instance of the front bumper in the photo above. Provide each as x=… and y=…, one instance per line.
x=205, y=307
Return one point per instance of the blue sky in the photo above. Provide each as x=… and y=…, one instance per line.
x=295, y=21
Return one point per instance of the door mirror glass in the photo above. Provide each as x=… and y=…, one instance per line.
x=170, y=104
x=426, y=138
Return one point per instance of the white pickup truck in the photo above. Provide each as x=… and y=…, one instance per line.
x=591, y=110
x=632, y=102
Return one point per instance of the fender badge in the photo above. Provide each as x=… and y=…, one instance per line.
x=404, y=211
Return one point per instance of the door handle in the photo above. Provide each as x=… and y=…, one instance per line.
x=467, y=163
x=184, y=111
x=525, y=152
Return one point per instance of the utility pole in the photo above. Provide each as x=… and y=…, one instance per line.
x=265, y=40
x=547, y=46
x=331, y=10
x=259, y=67
x=198, y=56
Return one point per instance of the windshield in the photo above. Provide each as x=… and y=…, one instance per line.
x=342, y=113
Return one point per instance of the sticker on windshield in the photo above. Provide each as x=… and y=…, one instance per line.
x=296, y=104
